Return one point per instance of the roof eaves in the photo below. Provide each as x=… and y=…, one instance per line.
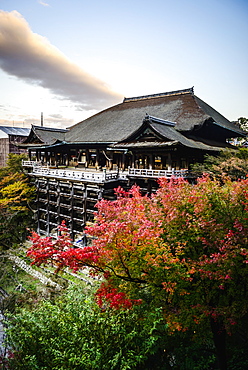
x=90, y=142
x=238, y=131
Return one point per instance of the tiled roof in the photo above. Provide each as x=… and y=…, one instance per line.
x=18, y=131
x=45, y=135
x=117, y=122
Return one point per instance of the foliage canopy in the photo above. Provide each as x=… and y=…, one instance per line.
x=16, y=193
x=183, y=249
x=230, y=162
x=75, y=334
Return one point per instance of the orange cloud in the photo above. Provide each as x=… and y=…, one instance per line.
x=31, y=57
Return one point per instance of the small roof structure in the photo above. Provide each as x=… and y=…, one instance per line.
x=40, y=135
x=6, y=131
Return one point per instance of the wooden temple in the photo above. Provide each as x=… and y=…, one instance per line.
x=137, y=141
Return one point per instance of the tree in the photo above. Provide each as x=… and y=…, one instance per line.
x=230, y=162
x=243, y=123
x=15, y=195
x=183, y=249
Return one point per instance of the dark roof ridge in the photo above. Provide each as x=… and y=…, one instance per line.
x=50, y=128
x=169, y=93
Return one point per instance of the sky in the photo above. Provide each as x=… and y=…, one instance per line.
x=70, y=59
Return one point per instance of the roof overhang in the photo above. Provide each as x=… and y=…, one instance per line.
x=233, y=133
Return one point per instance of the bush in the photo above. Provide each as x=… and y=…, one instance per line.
x=74, y=333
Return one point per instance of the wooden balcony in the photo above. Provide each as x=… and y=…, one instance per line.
x=101, y=176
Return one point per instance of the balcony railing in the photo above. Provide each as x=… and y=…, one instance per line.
x=147, y=173
x=89, y=176
x=102, y=176
x=31, y=164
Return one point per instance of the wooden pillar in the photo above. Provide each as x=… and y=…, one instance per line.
x=37, y=183
x=58, y=203
x=97, y=159
x=123, y=160
x=151, y=164
x=87, y=158
x=71, y=211
x=67, y=160
x=37, y=155
x=133, y=160
x=47, y=209
x=111, y=161
x=85, y=204
x=56, y=159
x=169, y=161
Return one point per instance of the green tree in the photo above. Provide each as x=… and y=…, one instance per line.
x=230, y=162
x=16, y=194
x=243, y=123
x=75, y=334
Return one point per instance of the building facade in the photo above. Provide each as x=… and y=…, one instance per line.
x=134, y=142
x=9, y=138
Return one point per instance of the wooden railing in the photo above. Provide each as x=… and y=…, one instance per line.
x=103, y=175
x=98, y=177
x=147, y=173
x=31, y=164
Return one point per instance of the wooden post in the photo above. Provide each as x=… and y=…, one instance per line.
x=169, y=161
x=123, y=161
x=151, y=162
x=133, y=160
x=97, y=159
x=87, y=158
x=111, y=161
x=71, y=210
x=47, y=207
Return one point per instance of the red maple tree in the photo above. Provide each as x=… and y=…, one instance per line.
x=185, y=248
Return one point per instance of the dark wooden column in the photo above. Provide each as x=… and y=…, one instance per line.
x=151, y=162
x=47, y=208
x=97, y=159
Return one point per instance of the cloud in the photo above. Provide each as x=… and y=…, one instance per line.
x=55, y=121
x=31, y=58
x=43, y=3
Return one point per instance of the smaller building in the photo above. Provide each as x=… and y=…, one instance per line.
x=10, y=137
x=41, y=137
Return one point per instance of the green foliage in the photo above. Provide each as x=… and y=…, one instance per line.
x=14, y=162
x=16, y=194
x=74, y=333
x=230, y=162
x=243, y=123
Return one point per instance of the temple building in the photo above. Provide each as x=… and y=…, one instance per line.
x=9, y=138
x=137, y=141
